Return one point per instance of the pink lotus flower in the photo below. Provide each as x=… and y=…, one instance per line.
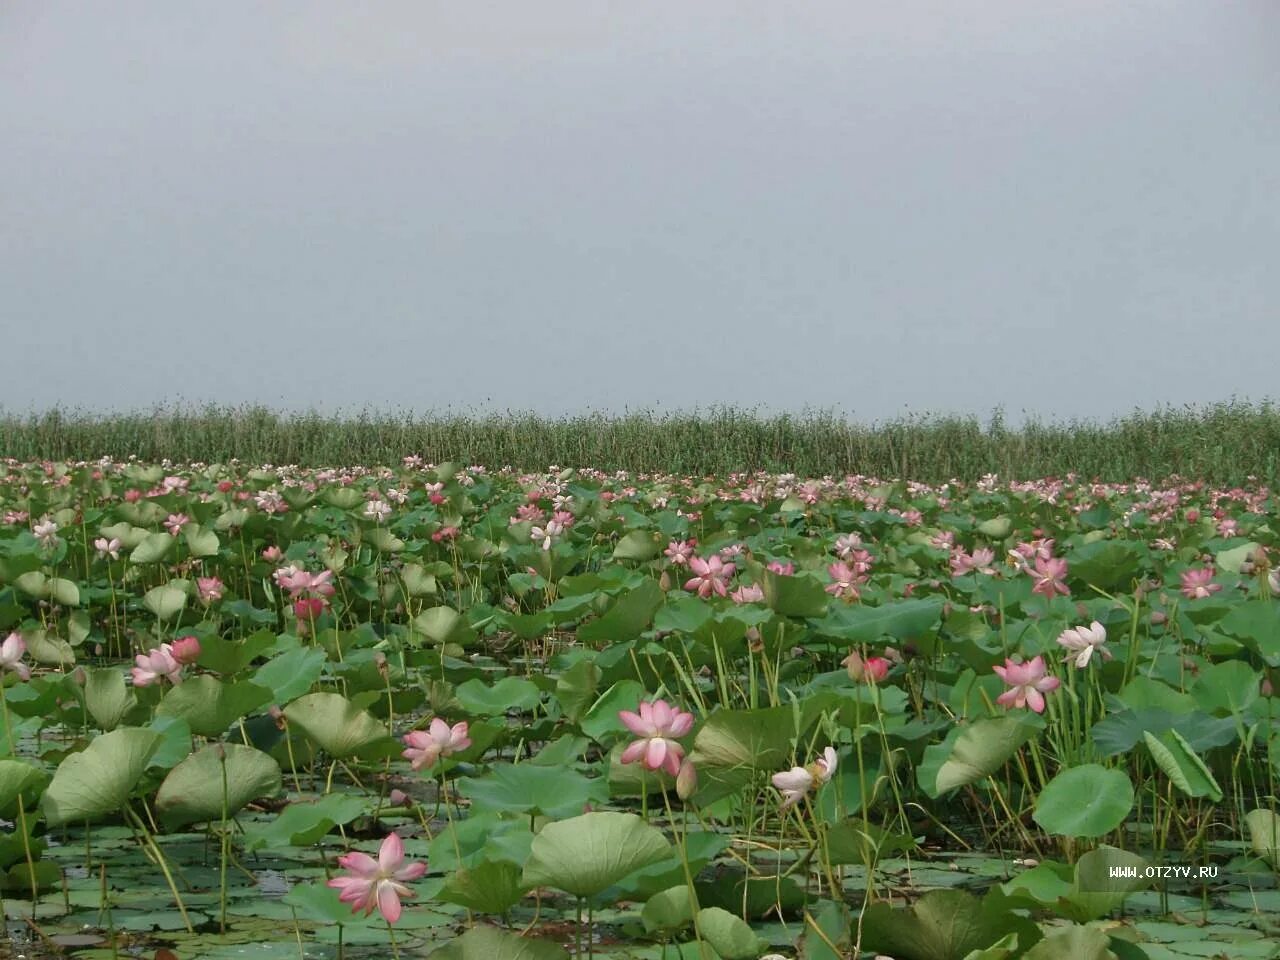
x=978, y=562
x=175, y=522
x=108, y=548
x=208, y=589
x=658, y=724
x=380, y=883
x=272, y=554
x=679, y=552
x=872, y=669
x=156, y=665
x=530, y=512
x=377, y=510
x=298, y=582
x=781, y=569
x=793, y=784
x=548, y=534
x=1035, y=550
x=752, y=593
x=1050, y=576
x=845, y=580
x=710, y=576
x=846, y=544
x=1081, y=642
x=186, y=650
x=398, y=798
x=46, y=531
x=1196, y=584
x=425, y=747
x=1027, y=684
x=11, y=652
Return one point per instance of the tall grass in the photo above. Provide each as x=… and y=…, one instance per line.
x=1223, y=443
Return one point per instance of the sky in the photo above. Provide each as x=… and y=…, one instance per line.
x=1069, y=208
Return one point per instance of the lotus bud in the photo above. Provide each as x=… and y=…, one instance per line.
x=664, y=581
x=399, y=798
x=686, y=780
x=869, y=670
x=308, y=608
x=186, y=650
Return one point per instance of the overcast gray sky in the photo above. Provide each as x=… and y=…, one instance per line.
x=1071, y=207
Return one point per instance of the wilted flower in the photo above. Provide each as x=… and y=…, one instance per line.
x=1028, y=683
x=658, y=724
x=380, y=883
x=1081, y=642
x=425, y=747
x=11, y=652
x=793, y=784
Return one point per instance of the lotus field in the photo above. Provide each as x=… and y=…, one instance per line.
x=276, y=712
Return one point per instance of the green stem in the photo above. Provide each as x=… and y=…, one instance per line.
x=162, y=863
